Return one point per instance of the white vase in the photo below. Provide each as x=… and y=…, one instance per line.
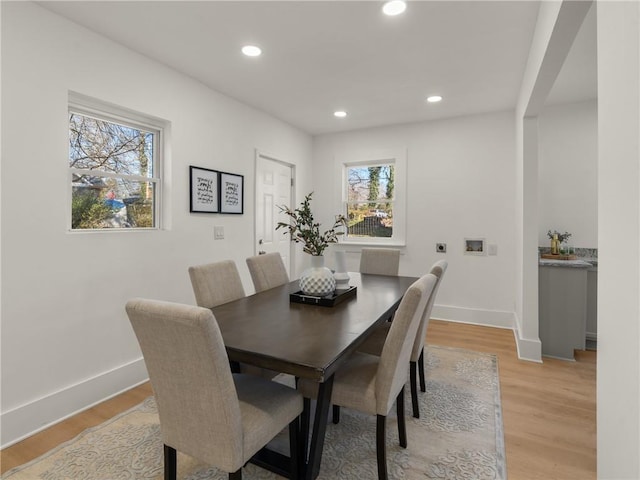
x=317, y=280
x=341, y=276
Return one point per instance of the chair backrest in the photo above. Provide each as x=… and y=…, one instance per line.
x=438, y=270
x=267, y=271
x=380, y=261
x=392, y=370
x=191, y=379
x=216, y=283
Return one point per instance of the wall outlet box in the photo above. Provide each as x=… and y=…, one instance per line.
x=218, y=232
x=441, y=247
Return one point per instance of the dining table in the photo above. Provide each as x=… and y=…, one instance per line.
x=270, y=331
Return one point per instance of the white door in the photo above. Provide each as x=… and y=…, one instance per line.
x=273, y=189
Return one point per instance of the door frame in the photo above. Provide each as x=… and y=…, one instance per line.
x=273, y=158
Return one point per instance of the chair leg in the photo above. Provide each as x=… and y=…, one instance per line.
x=423, y=386
x=294, y=448
x=336, y=414
x=304, y=428
x=414, y=389
x=381, y=447
x=402, y=426
x=237, y=475
x=235, y=366
x=170, y=463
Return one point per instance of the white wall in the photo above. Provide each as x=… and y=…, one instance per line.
x=568, y=176
x=557, y=25
x=460, y=184
x=66, y=341
x=618, y=240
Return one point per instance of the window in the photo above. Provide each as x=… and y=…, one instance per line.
x=114, y=167
x=373, y=195
x=370, y=200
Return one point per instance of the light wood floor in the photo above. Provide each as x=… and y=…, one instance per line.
x=549, y=409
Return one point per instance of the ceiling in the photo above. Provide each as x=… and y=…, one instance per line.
x=322, y=56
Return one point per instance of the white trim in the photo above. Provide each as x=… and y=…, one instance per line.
x=96, y=108
x=476, y=316
x=260, y=154
x=528, y=349
x=101, y=110
x=356, y=247
x=397, y=157
x=30, y=418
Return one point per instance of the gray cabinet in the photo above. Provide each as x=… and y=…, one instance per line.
x=562, y=309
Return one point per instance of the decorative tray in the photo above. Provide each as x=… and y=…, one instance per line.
x=551, y=256
x=331, y=300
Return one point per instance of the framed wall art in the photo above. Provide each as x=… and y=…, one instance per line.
x=204, y=185
x=231, y=193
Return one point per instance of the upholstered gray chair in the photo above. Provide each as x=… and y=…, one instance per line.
x=216, y=283
x=380, y=261
x=375, y=261
x=267, y=271
x=371, y=383
x=375, y=341
x=205, y=411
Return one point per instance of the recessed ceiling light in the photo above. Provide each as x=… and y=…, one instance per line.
x=340, y=114
x=251, y=51
x=434, y=98
x=394, y=7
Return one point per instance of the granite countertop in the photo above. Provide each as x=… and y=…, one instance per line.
x=587, y=258
x=593, y=261
x=549, y=262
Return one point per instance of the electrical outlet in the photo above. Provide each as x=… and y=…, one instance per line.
x=441, y=247
x=493, y=249
x=218, y=232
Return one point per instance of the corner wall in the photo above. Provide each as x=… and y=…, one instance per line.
x=459, y=184
x=556, y=28
x=568, y=173
x=66, y=340
x=618, y=240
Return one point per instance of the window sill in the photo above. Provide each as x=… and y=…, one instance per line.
x=364, y=243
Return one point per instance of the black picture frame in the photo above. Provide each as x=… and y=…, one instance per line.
x=231, y=188
x=204, y=190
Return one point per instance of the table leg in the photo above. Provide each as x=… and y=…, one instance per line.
x=319, y=428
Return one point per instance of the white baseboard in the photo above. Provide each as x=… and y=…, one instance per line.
x=476, y=316
x=528, y=349
x=32, y=417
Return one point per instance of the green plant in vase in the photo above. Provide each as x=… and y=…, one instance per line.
x=317, y=280
x=563, y=247
x=304, y=229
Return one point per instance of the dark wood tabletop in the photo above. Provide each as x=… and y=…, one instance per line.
x=309, y=341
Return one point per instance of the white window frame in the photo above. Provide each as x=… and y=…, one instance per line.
x=100, y=110
x=398, y=159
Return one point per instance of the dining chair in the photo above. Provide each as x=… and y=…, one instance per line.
x=216, y=283
x=371, y=383
x=267, y=271
x=220, y=418
x=380, y=261
x=375, y=261
x=375, y=342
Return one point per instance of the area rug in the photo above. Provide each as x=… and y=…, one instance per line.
x=458, y=436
